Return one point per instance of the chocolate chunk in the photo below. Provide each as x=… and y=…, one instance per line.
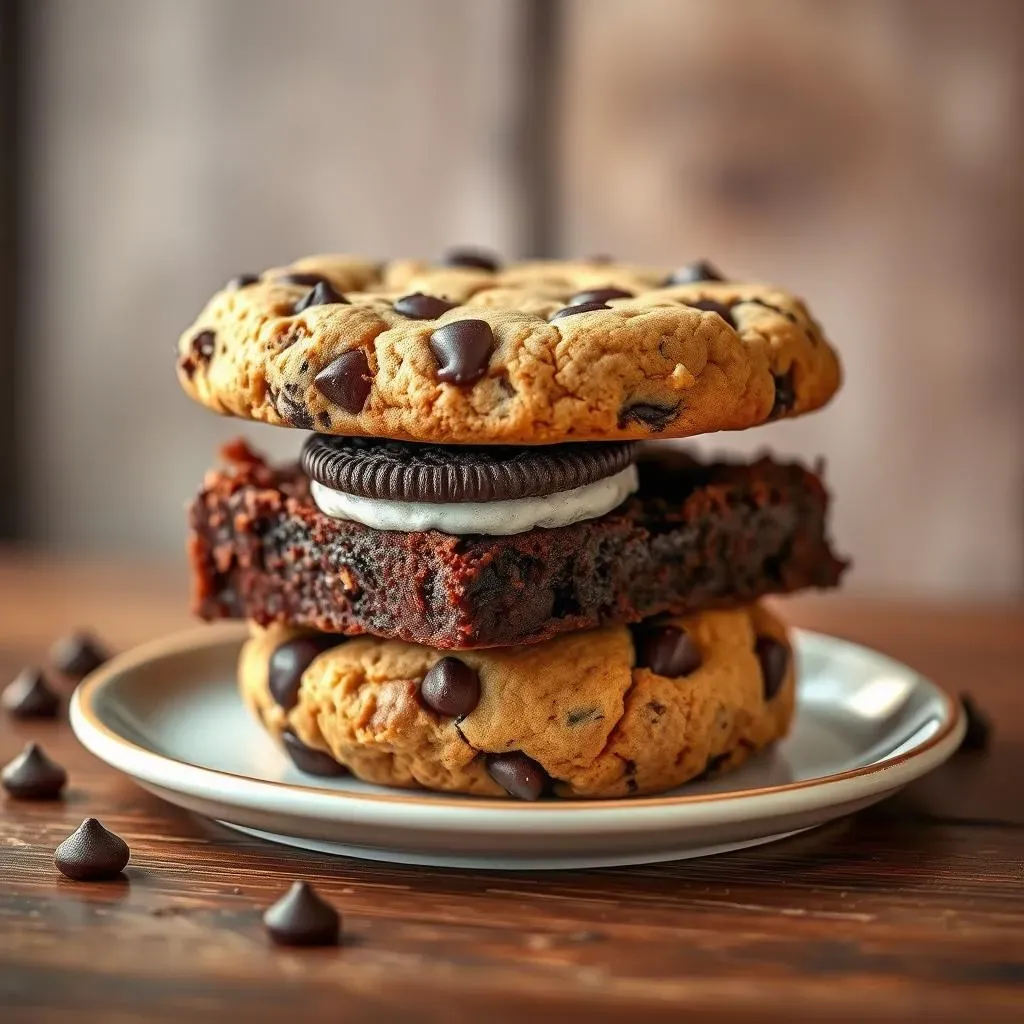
x=666, y=650
x=398, y=471
x=29, y=695
x=77, y=655
x=321, y=294
x=33, y=776
x=774, y=658
x=599, y=295
x=657, y=417
x=462, y=350
x=308, y=278
x=475, y=258
x=310, y=761
x=451, y=688
x=422, y=307
x=241, y=281
x=347, y=381
x=302, y=918
x=785, y=394
x=520, y=776
x=711, y=306
x=582, y=307
x=291, y=659
x=979, y=728
x=200, y=352
x=693, y=273
x=92, y=854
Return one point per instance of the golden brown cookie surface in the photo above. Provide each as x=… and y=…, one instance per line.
x=529, y=353
x=605, y=713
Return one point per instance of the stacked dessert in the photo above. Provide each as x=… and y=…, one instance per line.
x=475, y=579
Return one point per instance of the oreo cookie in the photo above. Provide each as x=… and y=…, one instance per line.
x=397, y=471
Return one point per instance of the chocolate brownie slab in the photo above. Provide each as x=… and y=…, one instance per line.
x=695, y=536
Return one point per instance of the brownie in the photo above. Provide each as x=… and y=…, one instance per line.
x=696, y=535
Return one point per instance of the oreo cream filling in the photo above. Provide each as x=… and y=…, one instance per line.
x=493, y=518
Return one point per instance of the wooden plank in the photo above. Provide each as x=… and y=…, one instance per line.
x=11, y=100
x=866, y=156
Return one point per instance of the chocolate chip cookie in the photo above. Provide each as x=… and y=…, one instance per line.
x=606, y=713
x=471, y=352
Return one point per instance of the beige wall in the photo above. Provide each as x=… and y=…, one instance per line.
x=864, y=152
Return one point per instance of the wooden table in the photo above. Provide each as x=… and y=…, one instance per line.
x=913, y=908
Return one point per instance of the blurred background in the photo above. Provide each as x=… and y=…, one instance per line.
x=866, y=154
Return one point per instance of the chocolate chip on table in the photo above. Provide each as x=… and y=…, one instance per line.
x=666, y=650
x=92, y=853
x=33, y=776
x=29, y=695
x=462, y=349
x=310, y=761
x=785, y=394
x=347, y=381
x=694, y=273
x=475, y=258
x=724, y=310
x=451, y=688
x=599, y=295
x=422, y=307
x=77, y=655
x=241, y=281
x=657, y=417
x=520, y=776
x=582, y=307
x=321, y=294
x=305, y=277
x=979, y=728
x=302, y=918
x=290, y=659
x=774, y=658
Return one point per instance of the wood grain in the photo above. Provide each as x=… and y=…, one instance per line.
x=913, y=908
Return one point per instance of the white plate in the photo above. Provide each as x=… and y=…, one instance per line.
x=168, y=715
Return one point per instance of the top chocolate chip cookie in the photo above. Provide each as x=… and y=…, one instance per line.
x=529, y=353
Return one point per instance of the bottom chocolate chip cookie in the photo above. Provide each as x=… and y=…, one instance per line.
x=606, y=713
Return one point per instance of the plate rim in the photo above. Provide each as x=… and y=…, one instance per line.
x=137, y=761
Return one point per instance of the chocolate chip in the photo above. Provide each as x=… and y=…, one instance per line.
x=201, y=350
x=302, y=918
x=92, y=854
x=291, y=659
x=462, y=350
x=308, y=278
x=422, y=307
x=77, y=655
x=711, y=766
x=774, y=658
x=582, y=307
x=241, y=281
x=666, y=650
x=347, y=381
x=29, y=695
x=451, y=688
x=33, y=776
x=290, y=411
x=518, y=775
x=475, y=258
x=321, y=294
x=657, y=417
x=979, y=728
x=785, y=394
x=693, y=273
x=310, y=761
x=599, y=295
x=711, y=306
